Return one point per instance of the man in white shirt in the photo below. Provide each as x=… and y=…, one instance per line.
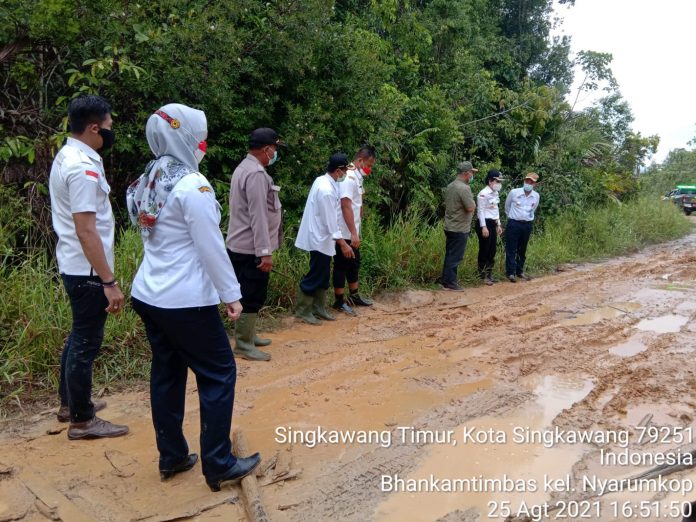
x=83, y=220
x=349, y=220
x=488, y=224
x=319, y=234
x=520, y=206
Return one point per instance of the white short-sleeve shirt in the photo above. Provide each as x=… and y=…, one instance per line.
x=77, y=184
x=351, y=188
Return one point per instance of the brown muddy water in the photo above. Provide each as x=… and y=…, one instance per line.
x=471, y=388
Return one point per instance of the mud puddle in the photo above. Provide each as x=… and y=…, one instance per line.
x=664, y=324
x=562, y=352
x=499, y=459
x=600, y=314
x=633, y=346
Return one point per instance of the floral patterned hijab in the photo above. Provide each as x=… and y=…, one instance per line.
x=174, y=132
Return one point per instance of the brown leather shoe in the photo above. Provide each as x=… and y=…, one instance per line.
x=95, y=429
x=63, y=412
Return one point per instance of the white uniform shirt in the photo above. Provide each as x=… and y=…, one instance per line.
x=520, y=207
x=487, y=206
x=351, y=188
x=185, y=263
x=77, y=184
x=319, y=227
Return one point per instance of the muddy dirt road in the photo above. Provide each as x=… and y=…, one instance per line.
x=442, y=386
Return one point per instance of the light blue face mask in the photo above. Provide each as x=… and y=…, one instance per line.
x=274, y=158
x=527, y=187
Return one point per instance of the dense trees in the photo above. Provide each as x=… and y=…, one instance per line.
x=427, y=82
x=679, y=168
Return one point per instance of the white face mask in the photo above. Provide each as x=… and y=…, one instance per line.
x=496, y=186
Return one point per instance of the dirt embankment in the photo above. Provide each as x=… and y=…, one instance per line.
x=599, y=348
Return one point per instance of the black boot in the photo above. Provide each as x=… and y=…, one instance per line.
x=341, y=305
x=357, y=300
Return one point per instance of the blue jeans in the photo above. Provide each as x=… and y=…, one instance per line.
x=183, y=338
x=88, y=304
x=455, y=245
x=517, y=236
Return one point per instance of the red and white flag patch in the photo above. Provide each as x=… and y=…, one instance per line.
x=92, y=174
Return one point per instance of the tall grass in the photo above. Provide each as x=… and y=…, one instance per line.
x=410, y=252
x=35, y=320
x=35, y=314
x=607, y=231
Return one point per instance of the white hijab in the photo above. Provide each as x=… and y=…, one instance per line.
x=173, y=133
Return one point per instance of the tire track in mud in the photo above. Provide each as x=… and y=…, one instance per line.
x=347, y=490
x=430, y=359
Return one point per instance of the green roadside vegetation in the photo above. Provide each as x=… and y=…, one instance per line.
x=35, y=315
x=427, y=83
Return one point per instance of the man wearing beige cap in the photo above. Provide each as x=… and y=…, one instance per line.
x=459, y=211
x=520, y=206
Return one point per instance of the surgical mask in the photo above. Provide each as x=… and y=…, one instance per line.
x=200, y=151
x=274, y=158
x=108, y=137
x=496, y=186
x=528, y=187
x=342, y=178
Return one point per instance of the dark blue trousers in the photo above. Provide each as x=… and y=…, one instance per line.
x=455, y=244
x=88, y=304
x=195, y=338
x=319, y=273
x=517, y=236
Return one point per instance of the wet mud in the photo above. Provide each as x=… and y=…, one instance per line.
x=597, y=348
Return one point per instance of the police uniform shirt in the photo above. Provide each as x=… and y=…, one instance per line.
x=254, y=226
x=77, y=184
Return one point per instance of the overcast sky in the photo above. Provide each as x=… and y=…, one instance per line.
x=654, y=49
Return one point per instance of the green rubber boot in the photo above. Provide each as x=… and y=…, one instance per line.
x=303, y=308
x=319, y=305
x=258, y=341
x=244, y=339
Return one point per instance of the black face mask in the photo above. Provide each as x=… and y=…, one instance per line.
x=109, y=138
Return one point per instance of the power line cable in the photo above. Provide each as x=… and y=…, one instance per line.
x=496, y=114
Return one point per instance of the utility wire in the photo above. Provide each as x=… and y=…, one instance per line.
x=496, y=114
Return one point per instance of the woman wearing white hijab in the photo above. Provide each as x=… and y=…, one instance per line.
x=184, y=275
